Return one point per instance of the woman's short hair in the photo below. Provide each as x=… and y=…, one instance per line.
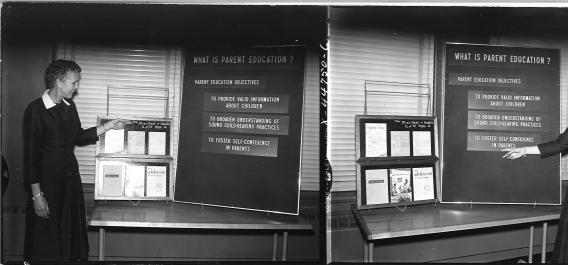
x=57, y=69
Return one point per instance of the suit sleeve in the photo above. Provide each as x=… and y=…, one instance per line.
x=32, y=128
x=84, y=136
x=554, y=147
x=87, y=136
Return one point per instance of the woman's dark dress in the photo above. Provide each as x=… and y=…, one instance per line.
x=560, y=253
x=50, y=136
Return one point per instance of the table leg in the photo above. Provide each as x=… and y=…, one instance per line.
x=365, y=251
x=531, y=237
x=275, y=246
x=544, y=230
x=284, y=245
x=101, y=244
x=371, y=250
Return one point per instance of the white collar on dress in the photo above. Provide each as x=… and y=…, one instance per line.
x=48, y=102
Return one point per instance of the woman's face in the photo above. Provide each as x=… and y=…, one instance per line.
x=69, y=84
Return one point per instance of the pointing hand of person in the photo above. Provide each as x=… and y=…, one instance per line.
x=514, y=153
x=116, y=124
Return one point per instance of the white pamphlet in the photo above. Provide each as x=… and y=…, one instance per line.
x=134, y=181
x=375, y=140
x=377, y=187
x=401, y=188
x=114, y=141
x=156, y=143
x=423, y=180
x=421, y=143
x=136, y=142
x=156, y=181
x=400, y=143
x=112, y=180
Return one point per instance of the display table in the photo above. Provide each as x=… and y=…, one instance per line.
x=426, y=219
x=162, y=215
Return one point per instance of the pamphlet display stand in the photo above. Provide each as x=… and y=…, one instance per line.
x=396, y=160
x=134, y=163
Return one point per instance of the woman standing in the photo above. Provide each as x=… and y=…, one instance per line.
x=56, y=226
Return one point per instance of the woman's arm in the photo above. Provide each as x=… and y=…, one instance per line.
x=116, y=124
x=32, y=130
x=40, y=203
x=91, y=135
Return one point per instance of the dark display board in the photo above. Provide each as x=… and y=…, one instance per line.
x=498, y=97
x=396, y=162
x=240, y=129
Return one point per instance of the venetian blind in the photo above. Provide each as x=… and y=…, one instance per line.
x=125, y=80
x=562, y=45
x=310, y=128
x=385, y=72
